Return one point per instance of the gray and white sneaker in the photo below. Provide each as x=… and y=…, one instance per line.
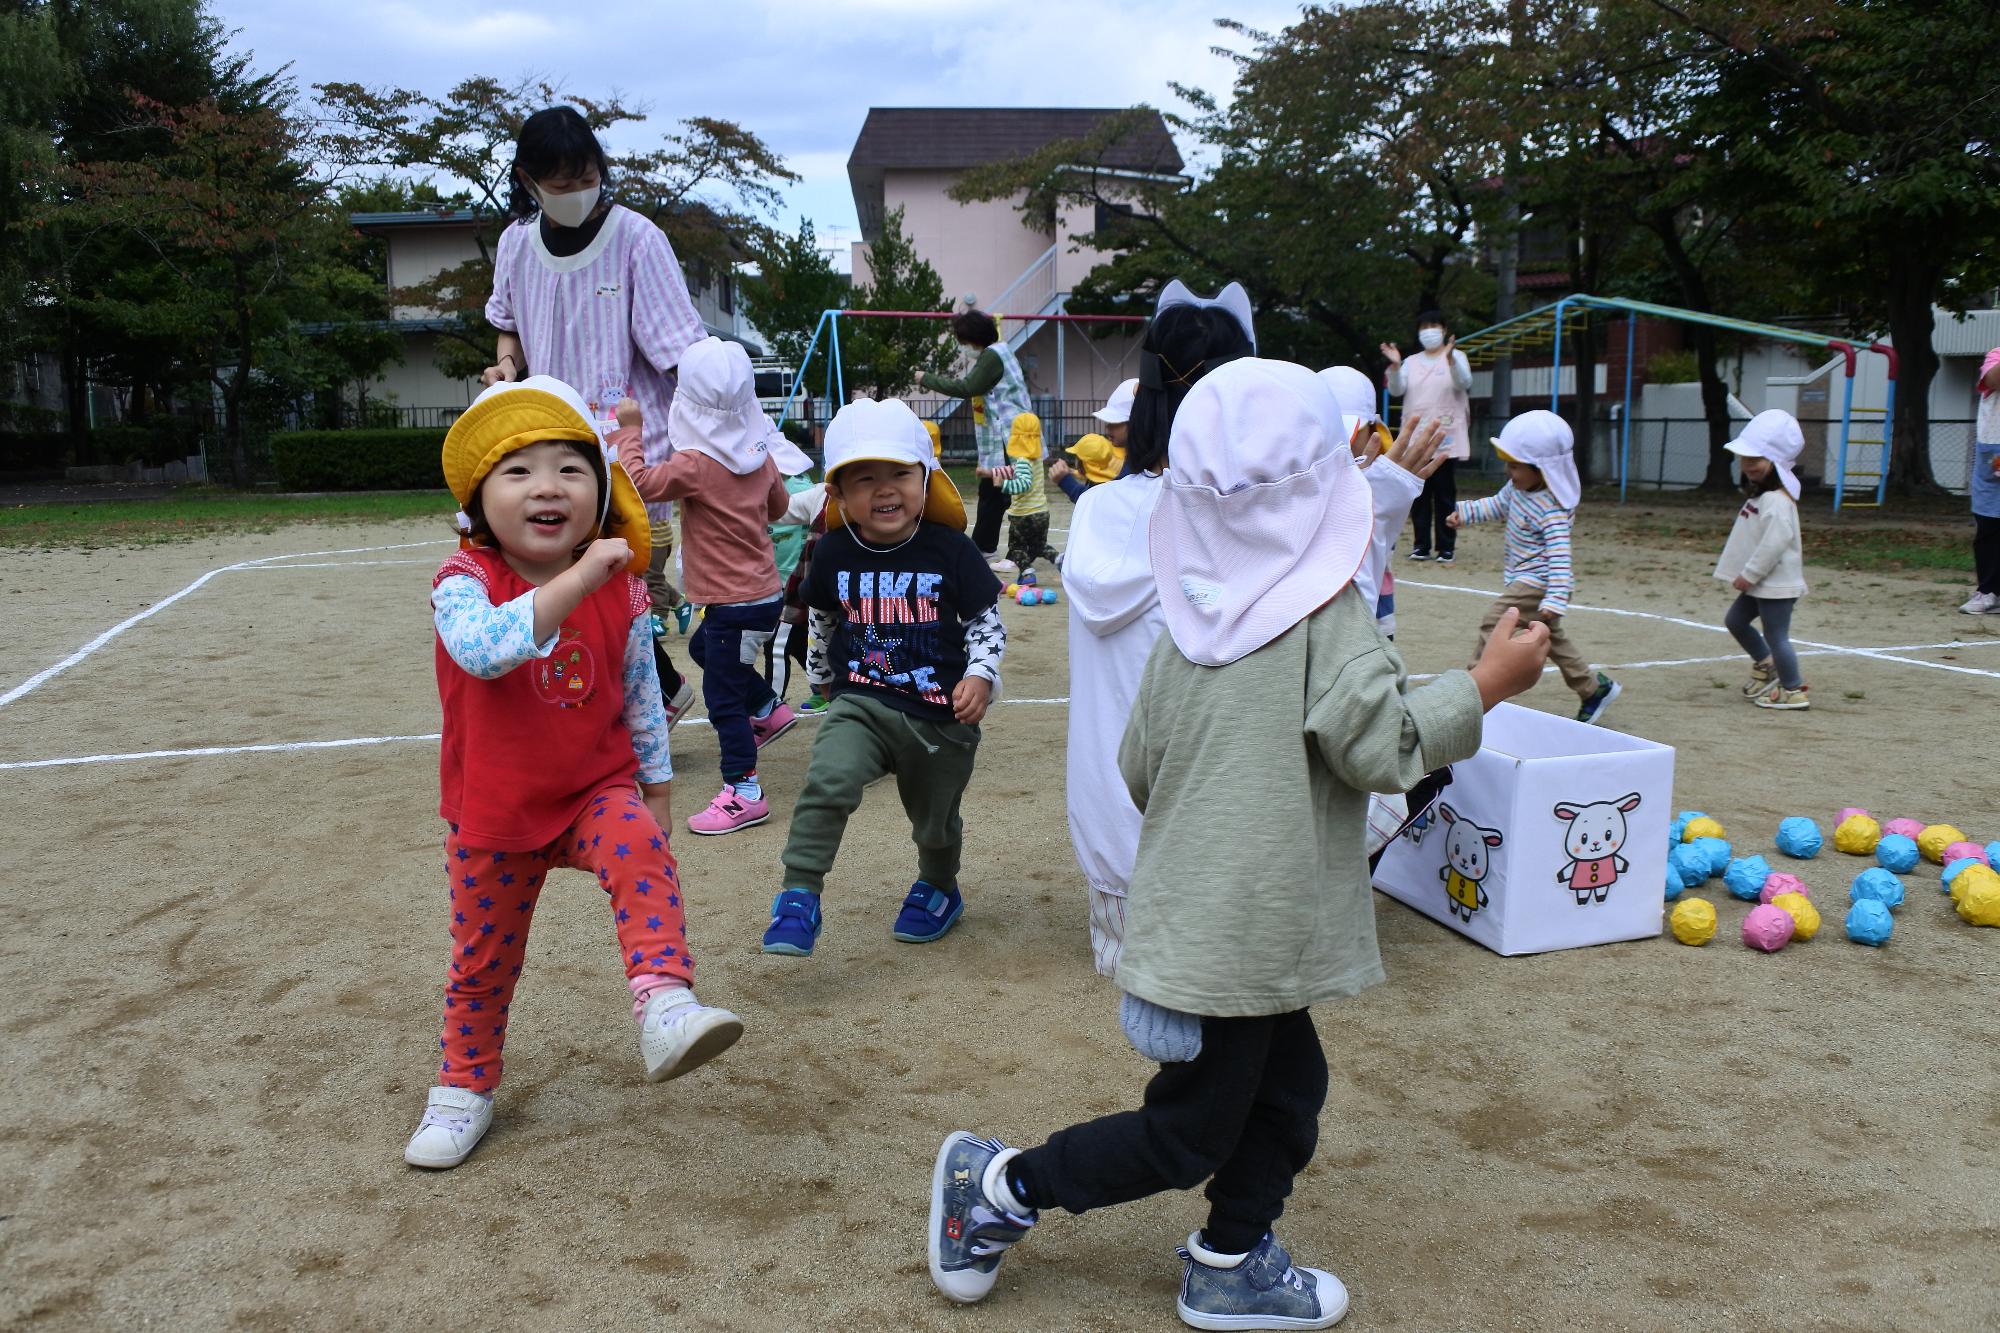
x=677, y=1032
x=969, y=1234
x=1983, y=604
x=1259, y=1290
x=455, y=1119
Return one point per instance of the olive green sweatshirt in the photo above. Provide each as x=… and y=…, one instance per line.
x=1250, y=894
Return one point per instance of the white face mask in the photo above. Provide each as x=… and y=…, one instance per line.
x=568, y=210
x=1431, y=338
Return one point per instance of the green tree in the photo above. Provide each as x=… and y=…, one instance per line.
x=883, y=357
x=795, y=283
x=34, y=78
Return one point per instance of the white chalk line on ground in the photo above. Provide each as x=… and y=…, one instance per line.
x=48, y=674
x=1848, y=650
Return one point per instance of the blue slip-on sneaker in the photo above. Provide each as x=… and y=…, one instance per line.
x=1262, y=1290
x=794, y=927
x=928, y=912
x=968, y=1234
x=1600, y=699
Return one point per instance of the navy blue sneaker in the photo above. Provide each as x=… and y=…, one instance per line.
x=968, y=1233
x=1262, y=1290
x=794, y=927
x=928, y=912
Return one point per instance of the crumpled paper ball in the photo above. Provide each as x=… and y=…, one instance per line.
x=1934, y=839
x=1897, y=853
x=1692, y=863
x=1868, y=922
x=1693, y=921
x=1979, y=905
x=1678, y=824
x=1971, y=878
x=1966, y=851
x=1675, y=884
x=1702, y=827
x=1780, y=882
x=1907, y=828
x=1879, y=885
x=1768, y=928
x=1745, y=877
x=1952, y=870
x=1993, y=853
x=1857, y=835
x=1805, y=917
x=1717, y=852
x=1799, y=838
x=1848, y=812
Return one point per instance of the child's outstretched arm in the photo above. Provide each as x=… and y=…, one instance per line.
x=1488, y=510
x=985, y=644
x=645, y=715
x=1561, y=572
x=1020, y=479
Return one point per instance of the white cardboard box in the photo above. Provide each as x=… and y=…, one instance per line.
x=1553, y=836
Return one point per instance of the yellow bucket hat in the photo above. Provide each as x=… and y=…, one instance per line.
x=539, y=410
x=1101, y=460
x=1024, y=440
x=937, y=438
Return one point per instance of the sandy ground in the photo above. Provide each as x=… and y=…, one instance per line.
x=221, y=993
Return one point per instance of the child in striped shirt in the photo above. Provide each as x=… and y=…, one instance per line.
x=1539, y=506
x=1028, y=515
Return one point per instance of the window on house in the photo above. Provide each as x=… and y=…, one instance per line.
x=1113, y=221
x=725, y=295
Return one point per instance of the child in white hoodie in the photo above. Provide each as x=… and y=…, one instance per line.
x=1763, y=562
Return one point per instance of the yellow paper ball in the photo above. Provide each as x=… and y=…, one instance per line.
x=1805, y=917
x=1702, y=828
x=1934, y=839
x=1965, y=881
x=1979, y=901
x=1693, y=920
x=1858, y=834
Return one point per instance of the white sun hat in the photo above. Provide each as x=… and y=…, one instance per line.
x=715, y=412
x=1543, y=440
x=1118, y=407
x=1263, y=516
x=888, y=431
x=1773, y=435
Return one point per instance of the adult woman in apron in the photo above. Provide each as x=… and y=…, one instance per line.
x=998, y=392
x=1434, y=384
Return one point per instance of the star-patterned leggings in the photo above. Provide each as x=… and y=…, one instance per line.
x=493, y=896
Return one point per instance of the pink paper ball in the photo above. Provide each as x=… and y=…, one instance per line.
x=1908, y=828
x=1850, y=810
x=1965, y=851
x=1779, y=883
x=1768, y=927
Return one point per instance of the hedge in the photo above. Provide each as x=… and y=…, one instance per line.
x=359, y=460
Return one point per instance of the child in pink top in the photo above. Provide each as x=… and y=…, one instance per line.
x=723, y=472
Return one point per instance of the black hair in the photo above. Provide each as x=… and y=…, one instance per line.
x=1770, y=483
x=1182, y=344
x=555, y=141
x=1433, y=317
x=975, y=328
x=481, y=532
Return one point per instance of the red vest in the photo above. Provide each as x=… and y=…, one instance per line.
x=523, y=752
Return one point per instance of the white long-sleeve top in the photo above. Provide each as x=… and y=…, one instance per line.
x=1430, y=385
x=1764, y=548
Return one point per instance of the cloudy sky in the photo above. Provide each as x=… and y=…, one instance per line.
x=800, y=73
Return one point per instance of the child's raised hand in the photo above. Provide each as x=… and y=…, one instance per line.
x=628, y=412
x=600, y=560
x=1058, y=470
x=1419, y=447
x=1512, y=660
x=970, y=698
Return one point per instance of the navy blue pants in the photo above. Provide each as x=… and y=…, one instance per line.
x=729, y=649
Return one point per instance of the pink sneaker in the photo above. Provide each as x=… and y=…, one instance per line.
x=773, y=724
x=727, y=813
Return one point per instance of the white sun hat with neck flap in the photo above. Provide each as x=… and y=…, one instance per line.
x=1775, y=436
x=715, y=412
x=1541, y=439
x=1263, y=516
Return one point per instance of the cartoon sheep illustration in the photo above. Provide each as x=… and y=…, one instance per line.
x=1596, y=832
x=1467, y=859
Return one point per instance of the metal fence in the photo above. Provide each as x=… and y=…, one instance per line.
x=1064, y=421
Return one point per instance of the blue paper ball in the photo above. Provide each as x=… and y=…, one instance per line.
x=1951, y=871
x=1993, y=854
x=1691, y=863
x=1897, y=853
x=1675, y=884
x=1878, y=885
x=1745, y=877
x=1799, y=837
x=1049, y=597
x=1717, y=852
x=1868, y=922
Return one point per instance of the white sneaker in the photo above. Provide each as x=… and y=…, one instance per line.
x=1000, y=564
x=678, y=1032
x=1983, y=604
x=455, y=1119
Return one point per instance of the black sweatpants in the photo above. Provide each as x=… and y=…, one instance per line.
x=1243, y=1115
x=1986, y=552
x=993, y=504
x=1433, y=507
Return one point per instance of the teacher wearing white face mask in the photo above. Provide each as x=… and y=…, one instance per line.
x=1434, y=384
x=591, y=293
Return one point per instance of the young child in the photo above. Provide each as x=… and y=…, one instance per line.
x=792, y=536
x=906, y=642
x=553, y=726
x=667, y=602
x=1539, y=506
x=731, y=489
x=1762, y=560
x=1268, y=712
x=1099, y=458
x=1393, y=488
x=1028, y=513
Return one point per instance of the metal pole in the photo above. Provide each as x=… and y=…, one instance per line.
x=1061, y=367
x=799, y=376
x=1846, y=416
x=1556, y=361
x=839, y=378
x=1889, y=441
x=1625, y=426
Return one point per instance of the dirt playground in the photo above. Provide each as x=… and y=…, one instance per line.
x=222, y=976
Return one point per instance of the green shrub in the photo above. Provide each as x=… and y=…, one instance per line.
x=154, y=443
x=359, y=460
x=39, y=451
